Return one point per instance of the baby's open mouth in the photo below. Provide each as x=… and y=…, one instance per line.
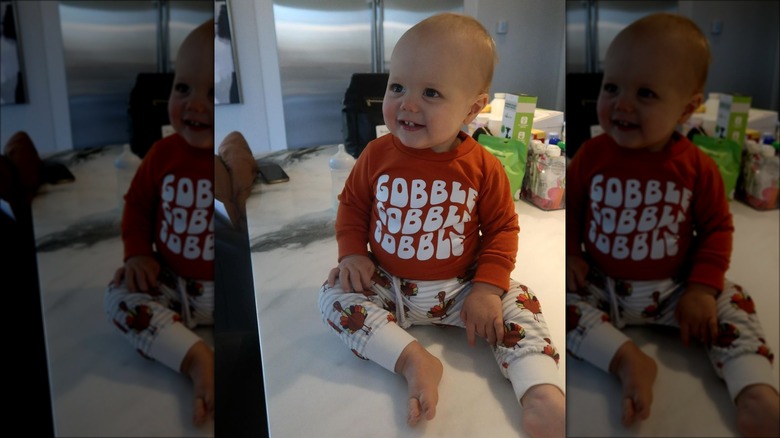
x=196, y=125
x=622, y=124
x=408, y=124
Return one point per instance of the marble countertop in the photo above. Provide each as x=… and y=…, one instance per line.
x=314, y=385
x=100, y=385
x=689, y=399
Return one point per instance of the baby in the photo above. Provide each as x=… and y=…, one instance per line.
x=165, y=287
x=649, y=231
x=437, y=212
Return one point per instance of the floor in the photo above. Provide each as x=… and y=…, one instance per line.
x=314, y=384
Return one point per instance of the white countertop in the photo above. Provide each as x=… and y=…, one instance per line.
x=100, y=385
x=314, y=385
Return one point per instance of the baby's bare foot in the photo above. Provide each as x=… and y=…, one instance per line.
x=758, y=411
x=637, y=372
x=544, y=412
x=199, y=365
x=423, y=372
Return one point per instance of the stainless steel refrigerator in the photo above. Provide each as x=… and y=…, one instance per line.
x=321, y=44
x=106, y=44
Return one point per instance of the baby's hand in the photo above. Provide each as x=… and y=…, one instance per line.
x=354, y=273
x=576, y=273
x=482, y=314
x=140, y=273
x=696, y=313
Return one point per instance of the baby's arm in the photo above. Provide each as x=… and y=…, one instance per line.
x=482, y=313
x=696, y=313
x=576, y=273
x=140, y=273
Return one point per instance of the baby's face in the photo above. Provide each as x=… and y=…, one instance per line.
x=430, y=94
x=191, y=103
x=646, y=92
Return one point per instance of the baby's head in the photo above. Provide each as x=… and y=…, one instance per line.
x=191, y=103
x=654, y=76
x=440, y=74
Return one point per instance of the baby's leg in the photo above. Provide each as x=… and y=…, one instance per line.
x=423, y=372
x=544, y=407
x=199, y=365
x=740, y=355
x=758, y=411
x=637, y=372
x=527, y=357
x=370, y=331
x=590, y=336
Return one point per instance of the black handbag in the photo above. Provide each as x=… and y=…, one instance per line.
x=362, y=110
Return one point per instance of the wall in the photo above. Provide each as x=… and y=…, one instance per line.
x=259, y=117
x=532, y=53
x=745, y=55
x=46, y=117
x=532, y=60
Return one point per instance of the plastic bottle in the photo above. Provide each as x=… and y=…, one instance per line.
x=126, y=164
x=341, y=164
x=553, y=138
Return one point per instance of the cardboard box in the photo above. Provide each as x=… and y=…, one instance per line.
x=518, y=117
x=732, y=120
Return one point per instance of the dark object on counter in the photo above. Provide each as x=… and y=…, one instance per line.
x=271, y=173
x=148, y=110
x=362, y=111
x=582, y=93
x=239, y=385
x=53, y=172
x=19, y=267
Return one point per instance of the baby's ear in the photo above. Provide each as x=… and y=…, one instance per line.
x=476, y=107
x=693, y=104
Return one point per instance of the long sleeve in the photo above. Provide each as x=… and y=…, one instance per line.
x=499, y=229
x=138, y=217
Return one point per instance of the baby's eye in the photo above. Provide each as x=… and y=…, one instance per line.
x=430, y=92
x=395, y=88
x=609, y=88
x=181, y=87
x=646, y=93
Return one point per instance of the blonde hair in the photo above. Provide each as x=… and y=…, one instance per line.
x=470, y=32
x=680, y=32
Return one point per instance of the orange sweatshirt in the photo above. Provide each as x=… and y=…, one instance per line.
x=170, y=204
x=647, y=216
x=430, y=216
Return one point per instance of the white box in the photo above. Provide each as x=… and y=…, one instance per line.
x=548, y=120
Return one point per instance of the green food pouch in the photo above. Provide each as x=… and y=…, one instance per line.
x=513, y=155
x=727, y=155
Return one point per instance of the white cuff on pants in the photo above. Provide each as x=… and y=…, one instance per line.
x=600, y=344
x=746, y=370
x=385, y=346
x=172, y=344
x=531, y=370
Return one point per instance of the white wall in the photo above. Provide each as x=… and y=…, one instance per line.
x=745, y=55
x=46, y=118
x=532, y=55
x=259, y=117
x=532, y=60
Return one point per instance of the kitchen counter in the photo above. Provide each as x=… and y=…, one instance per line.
x=689, y=399
x=100, y=385
x=314, y=385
